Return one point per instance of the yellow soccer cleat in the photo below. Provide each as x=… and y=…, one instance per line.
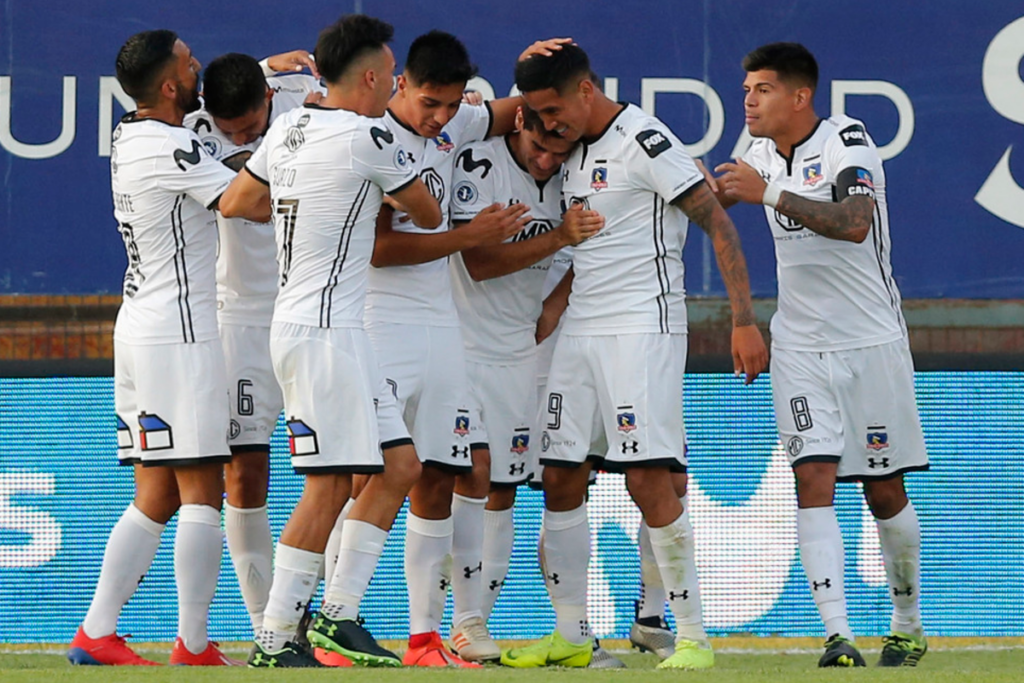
x=690, y=654
x=554, y=650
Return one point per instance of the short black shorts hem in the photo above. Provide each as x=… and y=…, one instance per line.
x=596, y=460
x=395, y=443
x=448, y=467
x=187, y=462
x=250, y=448
x=512, y=484
x=340, y=469
x=126, y=462
x=619, y=466
x=883, y=477
x=479, y=445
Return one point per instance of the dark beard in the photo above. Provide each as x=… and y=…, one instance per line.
x=187, y=100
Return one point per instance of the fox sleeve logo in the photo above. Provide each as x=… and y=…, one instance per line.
x=192, y=157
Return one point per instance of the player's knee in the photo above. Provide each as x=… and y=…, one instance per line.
x=246, y=480
x=885, y=498
x=564, y=487
x=501, y=498
x=815, y=483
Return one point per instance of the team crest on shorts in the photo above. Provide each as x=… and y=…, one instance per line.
x=444, y=142
x=124, y=434
x=154, y=433
x=877, y=439
x=301, y=438
x=545, y=442
x=461, y=424
x=520, y=443
x=794, y=446
x=812, y=174
x=626, y=422
x=599, y=178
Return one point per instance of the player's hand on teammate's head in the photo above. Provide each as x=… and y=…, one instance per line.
x=545, y=47
x=579, y=224
x=472, y=97
x=741, y=182
x=495, y=224
x=749, y=353
x=293, y=61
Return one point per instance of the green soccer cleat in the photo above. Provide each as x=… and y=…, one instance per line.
x=902, y=649
x=289, y=657
x=554, y=650
x=690, y=654
x=840, y=652
x=348, y=637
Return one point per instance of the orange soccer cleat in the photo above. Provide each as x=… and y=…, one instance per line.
x=427, y=649
x=109, y=650
x=211, y=656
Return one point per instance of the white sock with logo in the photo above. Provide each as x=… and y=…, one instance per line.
x=673, y=548
x=361, y=546
x=198, y=548
x=428, y=547
x=499, y=536
x=131, y=547
x=651, y=604
x=296, y=574
x=900, y=538
x=565, y=546
x=467, y=557
x=252, y=553
x=821, y=552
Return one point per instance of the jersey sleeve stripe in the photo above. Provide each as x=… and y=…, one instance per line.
x=404, y=185
x=213, y=205
x=688, y=189
x=490, y=119
x=265, y=182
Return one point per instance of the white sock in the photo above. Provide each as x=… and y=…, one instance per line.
x=428, y=547
x=467, y=557
x=499, y=535
x=900, y=538
x=296, y=574
x=651, y=604
x=566, y=549
x=334, y=543
x=674, y=550
x=131, y=547
x=252, y=553
x=198, y=548
x=361, y=546
x=821, y=552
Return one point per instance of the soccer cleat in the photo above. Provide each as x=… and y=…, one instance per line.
x=434, y=653
x=211, y=656
x=291, y=656
x=690, y=654
x=553, y=650
x=305, y=621
x=328, y=658
x=348, y=637
x=106, y=651
x=602, y=659
x=653, y=637
x=902, y=649
x=471, y=641
x=840, y=651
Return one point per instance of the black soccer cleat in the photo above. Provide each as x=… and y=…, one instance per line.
x=291, y=656
x=840, y=652
x=348, y=637
x=902, y=649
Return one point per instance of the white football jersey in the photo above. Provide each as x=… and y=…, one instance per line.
x=164, y=183
x=499, y=316
x=833, y=294
x=421, y=294
x=246, y=255
x=328, y=170
x=629, y=276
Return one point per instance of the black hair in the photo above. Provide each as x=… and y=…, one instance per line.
x=561, y=70
x=346, y=40
x=233, y=85
x=142, y=59
x=793, y=62
x=438, y=58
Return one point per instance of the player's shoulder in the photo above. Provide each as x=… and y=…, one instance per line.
x=480, y=157
x=469, y=116
x=761, y=149
x=846, y=131
x=291, y=90
x=640, y=131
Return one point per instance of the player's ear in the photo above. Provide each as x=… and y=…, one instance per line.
x=802, y=98
x=519, y=119
x=401, y=84
x=270, y=94
x=586, y=89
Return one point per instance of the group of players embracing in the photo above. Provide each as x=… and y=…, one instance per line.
x=450, y=299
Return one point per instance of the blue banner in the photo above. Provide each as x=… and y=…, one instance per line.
x=938, y=85
x=61, y=492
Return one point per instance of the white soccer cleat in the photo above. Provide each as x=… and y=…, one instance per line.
x=657, y=639
x=472, y=641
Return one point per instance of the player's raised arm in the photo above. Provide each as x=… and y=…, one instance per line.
x=748, y=350
x=415, y=199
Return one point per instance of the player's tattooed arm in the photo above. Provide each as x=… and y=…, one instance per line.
x=749, y=354
x=849, y=220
